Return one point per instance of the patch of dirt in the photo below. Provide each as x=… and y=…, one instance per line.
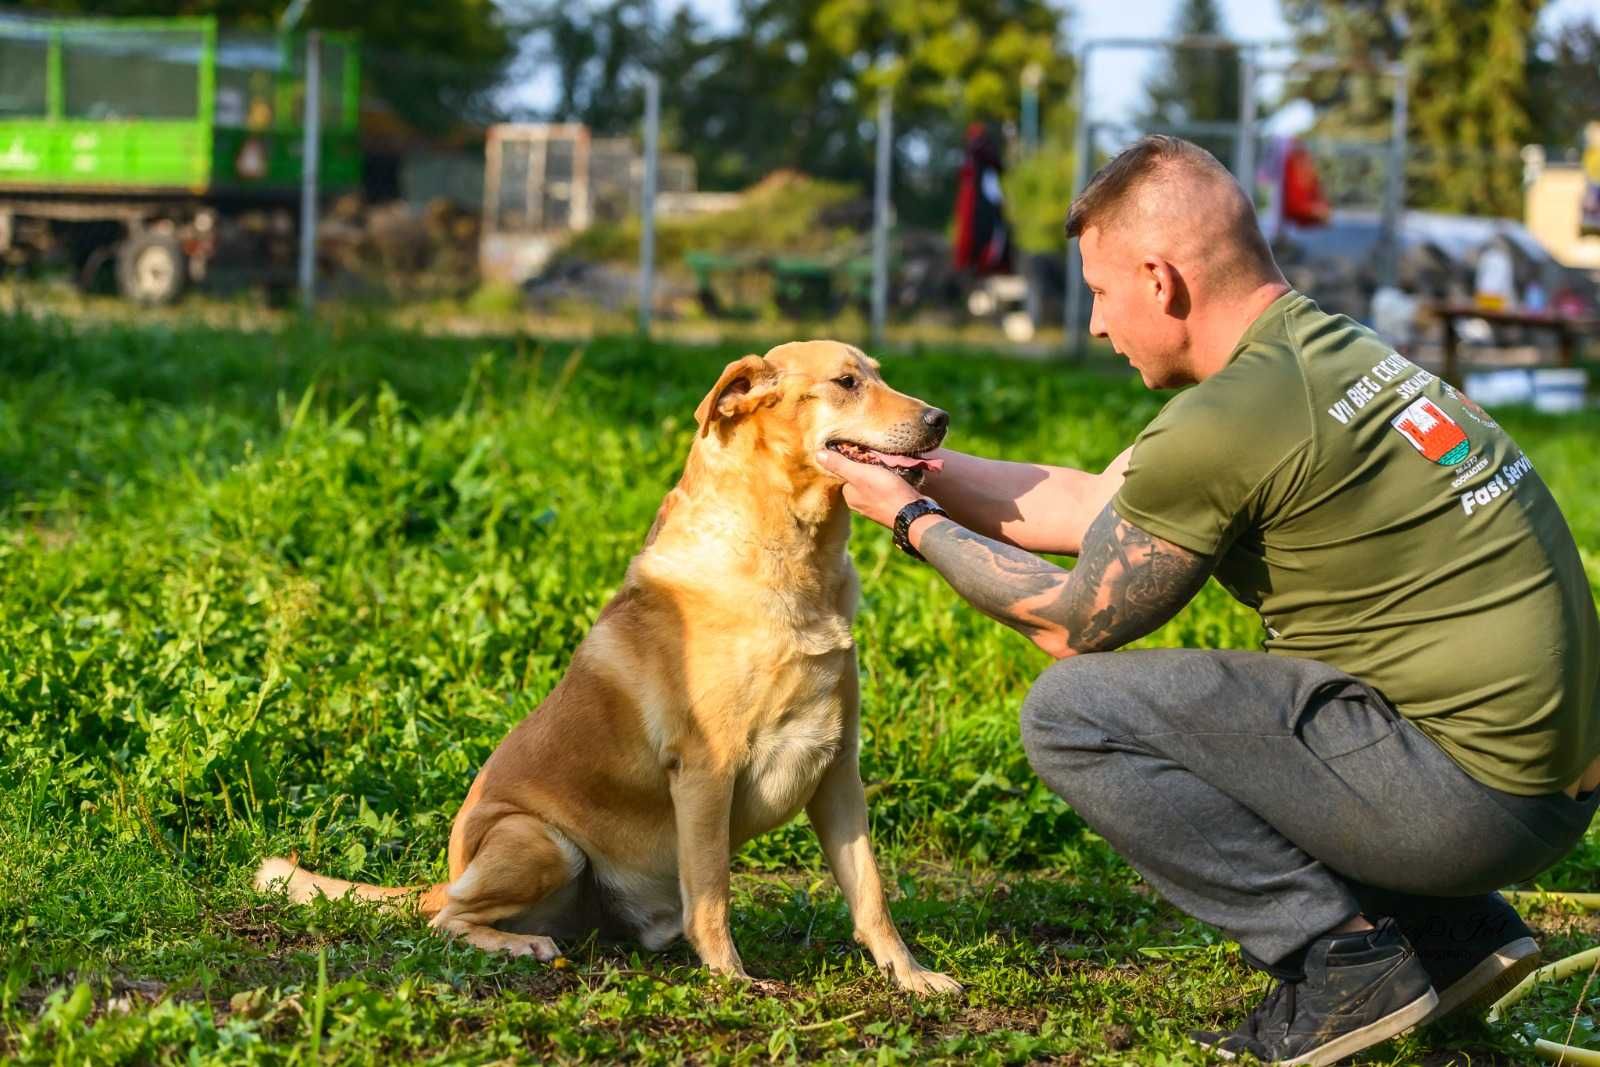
x=1550, y=922
x=50, y=538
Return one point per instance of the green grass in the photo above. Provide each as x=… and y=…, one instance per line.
x=286, y=590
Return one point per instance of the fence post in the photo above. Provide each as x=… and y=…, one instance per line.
x=1394, y=188
x=1032, y=77
x=647, y=200
x=1077, y=341
x=309, y=158
x=880, y=216
x=1244, y=153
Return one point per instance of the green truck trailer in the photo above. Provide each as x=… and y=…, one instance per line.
x=165, y=149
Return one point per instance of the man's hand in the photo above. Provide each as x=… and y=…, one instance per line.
x=876, y=492
x=1127, y=582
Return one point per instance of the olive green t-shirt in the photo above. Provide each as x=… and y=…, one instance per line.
x=1382, y=523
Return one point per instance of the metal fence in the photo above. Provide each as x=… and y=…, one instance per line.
x=879, y=258
x=613, y=229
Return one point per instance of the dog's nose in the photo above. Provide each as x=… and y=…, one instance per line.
x=935, y=418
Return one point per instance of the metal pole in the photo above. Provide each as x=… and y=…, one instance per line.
x=1032, y=76
x=1076, y=340
x=647, y=200
x=308, y=171
x=1244, y=153
x=880, y=216
x=1394, y=188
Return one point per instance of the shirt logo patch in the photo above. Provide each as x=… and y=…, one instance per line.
x=1433, y=433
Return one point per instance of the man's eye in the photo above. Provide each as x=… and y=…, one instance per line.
x=845, y=381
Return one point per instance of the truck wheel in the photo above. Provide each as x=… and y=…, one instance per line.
x=150, y=268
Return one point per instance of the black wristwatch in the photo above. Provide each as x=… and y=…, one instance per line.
x=910, y=514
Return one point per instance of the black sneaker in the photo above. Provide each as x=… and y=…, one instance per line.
x=1475, y=952
x=1360, y=989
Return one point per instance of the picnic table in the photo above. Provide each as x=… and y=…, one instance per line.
x=1566, y=328
x=802, y=286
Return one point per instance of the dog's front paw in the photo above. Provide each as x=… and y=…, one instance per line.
x=741, y=978
x=923, y=982
x=765, y=987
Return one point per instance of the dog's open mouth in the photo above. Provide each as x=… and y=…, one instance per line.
x=909, y=466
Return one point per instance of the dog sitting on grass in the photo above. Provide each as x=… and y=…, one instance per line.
x=715, y=696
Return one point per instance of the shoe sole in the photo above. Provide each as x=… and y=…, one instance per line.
x=1392, y=1025
x=1490, y=980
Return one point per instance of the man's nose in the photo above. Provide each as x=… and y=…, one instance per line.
x=935, y=418
x=1097, y=326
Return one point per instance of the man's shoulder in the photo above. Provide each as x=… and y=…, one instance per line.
x=1261, y=388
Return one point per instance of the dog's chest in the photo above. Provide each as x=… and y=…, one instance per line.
x=786, y=758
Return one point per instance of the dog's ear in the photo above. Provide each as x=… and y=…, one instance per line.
x=744, y=386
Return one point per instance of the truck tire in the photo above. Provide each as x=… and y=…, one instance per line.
x=151, y=269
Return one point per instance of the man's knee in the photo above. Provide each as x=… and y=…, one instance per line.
x=1060, y=720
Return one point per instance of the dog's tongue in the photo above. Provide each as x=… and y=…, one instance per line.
x=909, y=463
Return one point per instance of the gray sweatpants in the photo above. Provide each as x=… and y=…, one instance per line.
x=1274, y=797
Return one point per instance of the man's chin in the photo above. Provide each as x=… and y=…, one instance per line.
x=1154, y=379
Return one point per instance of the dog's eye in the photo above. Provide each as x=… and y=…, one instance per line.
x=845, y=381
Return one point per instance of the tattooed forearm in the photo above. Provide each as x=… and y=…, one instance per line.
x=1126, y=584
x=996, y=578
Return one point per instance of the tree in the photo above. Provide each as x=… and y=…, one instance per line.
x=600, y=54
x=1469, y=110
x=1196, y=84
x=1564, y=82
x=1468, y=89
x=945, y=65
x=795, y=83
x=1354, y=101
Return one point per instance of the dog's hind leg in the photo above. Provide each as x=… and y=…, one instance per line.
x=520, y=862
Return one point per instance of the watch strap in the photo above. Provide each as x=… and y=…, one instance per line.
x=909, y=514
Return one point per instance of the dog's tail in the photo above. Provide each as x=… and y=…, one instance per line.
x=285, y=875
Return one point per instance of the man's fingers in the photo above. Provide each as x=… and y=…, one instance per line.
x=842, y=467
x=847, y=468
x=830, y=461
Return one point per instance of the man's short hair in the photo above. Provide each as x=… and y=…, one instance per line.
x=1107, y=192
x=1237, y=252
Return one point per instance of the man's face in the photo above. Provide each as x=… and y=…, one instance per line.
x=1131, y=309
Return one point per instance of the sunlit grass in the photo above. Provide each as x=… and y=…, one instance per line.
x=287, y=588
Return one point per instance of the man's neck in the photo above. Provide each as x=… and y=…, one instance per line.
x=1214, y=342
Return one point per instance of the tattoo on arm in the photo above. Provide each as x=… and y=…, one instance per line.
x=1126, y=584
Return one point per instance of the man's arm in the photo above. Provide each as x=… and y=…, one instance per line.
x=1126, y=584
x=1029, y=505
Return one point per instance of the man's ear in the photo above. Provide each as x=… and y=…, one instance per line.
x=1168, y=286
x=744, y=386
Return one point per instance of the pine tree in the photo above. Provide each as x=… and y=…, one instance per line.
x=1468, y=90
x=1350, y=102
x=1564, y=82
x=1196, y=84
x=1469, y=114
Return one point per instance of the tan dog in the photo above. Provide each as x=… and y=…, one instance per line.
x=714, y=698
